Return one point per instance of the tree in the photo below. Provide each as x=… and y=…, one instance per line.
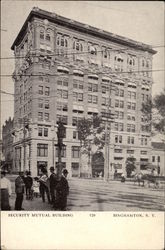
x=130, y=165
x=90, y=132
x=91, y=129
x=154, y=112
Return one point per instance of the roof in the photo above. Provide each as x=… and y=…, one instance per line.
x=158, y=145
x=53, y=17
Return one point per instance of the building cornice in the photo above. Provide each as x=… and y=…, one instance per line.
x=69, y=23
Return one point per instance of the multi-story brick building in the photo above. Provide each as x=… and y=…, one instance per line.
x=69, y=70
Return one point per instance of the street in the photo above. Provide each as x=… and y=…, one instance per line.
x=98, y=195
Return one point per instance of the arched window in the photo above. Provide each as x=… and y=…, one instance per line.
x=81, y=47
x=62, y=41
x=143, y=63
x=48, y=37
x=66, y=43
x=58, y=41
x=41, y=34
x=134, y=62
x=130, y=62
x=105, y=54
x=93, y=50
x=148, y=63
x=77, y=47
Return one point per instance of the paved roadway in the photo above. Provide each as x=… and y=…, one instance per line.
x=97, y=195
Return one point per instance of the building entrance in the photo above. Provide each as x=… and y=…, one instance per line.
x=98, y=165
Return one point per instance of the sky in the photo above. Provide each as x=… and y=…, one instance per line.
x=141, y=21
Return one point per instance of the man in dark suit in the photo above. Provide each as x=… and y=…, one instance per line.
x=19, y=190
x=62, y=191
x=53, y=183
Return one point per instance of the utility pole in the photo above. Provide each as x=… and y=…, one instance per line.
x=25, y=123
x=60, y=135
x=108, y=116
x=53, y=151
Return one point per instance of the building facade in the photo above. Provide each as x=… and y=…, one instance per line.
x=68, y=70
x=158, y=157
x=7, y=144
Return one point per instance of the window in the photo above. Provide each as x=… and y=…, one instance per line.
x=103, y=101
x=133, y=95
x=74, y=134
x=59, y=82
x=47, y=91
x=143, y=152
x=41, y=34
x=48, y=37
x=121, y=115
x=153, y=158
x=39, y=131
x=121, y=126
x=46, y=104
x=42, y=150
x=46, y=132
x=103, y=89
x=63, y=118
x=89, y=86
x=95, y=99
x=121, y=104
x=121, y=92
x=75, y=152
x=133, y=106
x=118, y=150
x=116, y=103
x=95, y=88
x=118, y=139
x=129, y=94
x=59, y=93
x=63, y=82
x=130, y=140
x=46, y=116
x=130, y=128
x=62, y=93
x=40, y=90
x=129, y=151
x=89, y=98
x=65, y=94
x=129, y=105
x=40, y=116
x=75, y=120
x=42, y=131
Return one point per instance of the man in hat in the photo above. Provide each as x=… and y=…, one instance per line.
x=5, y=191
x=62, y=190
x=19, y=190
x=53, y=183
x=44, y=185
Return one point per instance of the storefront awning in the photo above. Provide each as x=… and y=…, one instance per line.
x=76, y=107
x=61, y=68
x=130, y=84
x=105, y=78
x=93, y=110
x=119, y=81
x=93, y=76
x=78, y=72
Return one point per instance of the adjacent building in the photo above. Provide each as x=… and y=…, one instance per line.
x=158, y=157
x=7, y=144
x=68, y=70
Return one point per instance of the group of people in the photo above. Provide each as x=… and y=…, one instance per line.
x=55, y=188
